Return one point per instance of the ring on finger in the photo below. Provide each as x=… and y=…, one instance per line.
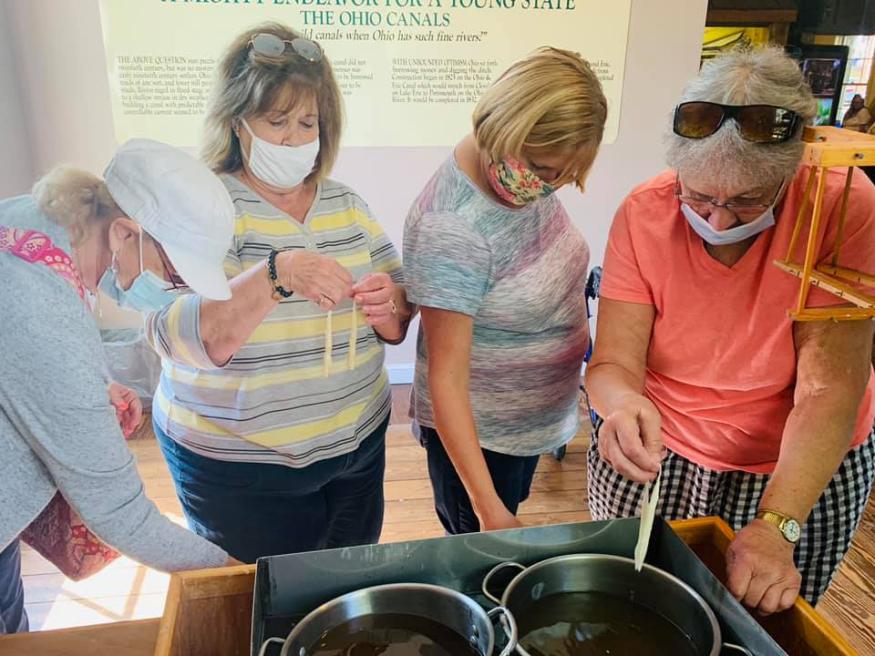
x=392, y=306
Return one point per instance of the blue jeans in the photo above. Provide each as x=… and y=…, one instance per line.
x=13, y=618
x=511, y=476
x=253, y=510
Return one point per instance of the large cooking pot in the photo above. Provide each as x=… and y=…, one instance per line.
x=656, y=590
x=447, y=607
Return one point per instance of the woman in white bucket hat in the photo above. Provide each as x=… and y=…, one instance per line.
x=159, y=220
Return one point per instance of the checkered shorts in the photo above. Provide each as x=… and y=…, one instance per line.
x=688, y=490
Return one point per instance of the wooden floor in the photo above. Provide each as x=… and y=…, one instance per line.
x=126, y=590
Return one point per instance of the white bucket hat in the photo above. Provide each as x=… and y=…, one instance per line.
x=181, y=204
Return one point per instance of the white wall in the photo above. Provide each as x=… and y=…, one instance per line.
x=16, y=168
x=66, y=95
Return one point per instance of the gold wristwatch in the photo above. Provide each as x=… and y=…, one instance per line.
x=788, y=526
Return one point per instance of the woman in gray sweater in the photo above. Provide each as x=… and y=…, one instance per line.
x=159, y=218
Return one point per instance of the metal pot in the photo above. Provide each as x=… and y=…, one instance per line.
x=655, y=589
x=443, y=605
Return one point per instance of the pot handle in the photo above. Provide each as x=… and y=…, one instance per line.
x=508, y=623
x=488, y=579
x=267, y=643
x=735, y=648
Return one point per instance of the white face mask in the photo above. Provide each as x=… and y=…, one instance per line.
x=284, y=167
x=732, y=235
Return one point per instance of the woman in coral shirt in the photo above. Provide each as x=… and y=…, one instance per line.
x=699, y=372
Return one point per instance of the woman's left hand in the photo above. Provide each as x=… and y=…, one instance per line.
x=375, y=295
x=128, y=407
x=760, y=568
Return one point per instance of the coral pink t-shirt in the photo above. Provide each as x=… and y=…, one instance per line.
x=721, y=367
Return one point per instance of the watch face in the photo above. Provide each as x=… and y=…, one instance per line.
x=791, y=530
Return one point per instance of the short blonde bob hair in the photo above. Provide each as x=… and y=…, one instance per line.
x=250, y=84
x=549, y=100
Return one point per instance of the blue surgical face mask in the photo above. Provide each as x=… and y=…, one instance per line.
x=148, y=292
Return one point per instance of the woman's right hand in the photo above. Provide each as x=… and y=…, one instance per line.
x=317, y=278
x=630, y=439
x=497, y=519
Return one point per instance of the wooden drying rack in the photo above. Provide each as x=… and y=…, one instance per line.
x=826, y=148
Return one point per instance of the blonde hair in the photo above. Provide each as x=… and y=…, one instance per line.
x=550, y=99
x=76, y=200
x=249, y=83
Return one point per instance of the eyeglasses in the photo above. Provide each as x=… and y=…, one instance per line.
x=745, y=207
x=757, y=123
x=176, y=281
x=270, y=45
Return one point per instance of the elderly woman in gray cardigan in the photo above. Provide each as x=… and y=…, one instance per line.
x=159, y=218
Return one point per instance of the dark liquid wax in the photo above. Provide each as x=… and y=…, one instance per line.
x=392, y=635
x=597, y=624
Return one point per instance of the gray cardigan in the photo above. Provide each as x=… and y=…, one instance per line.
x=58, y=430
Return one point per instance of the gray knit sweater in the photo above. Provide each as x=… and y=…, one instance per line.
x=58, y=430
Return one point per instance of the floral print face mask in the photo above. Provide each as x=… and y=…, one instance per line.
x=516, y=184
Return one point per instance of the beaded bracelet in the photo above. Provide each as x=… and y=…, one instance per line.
x=278, y=290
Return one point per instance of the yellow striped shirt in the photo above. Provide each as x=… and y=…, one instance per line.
x=293, y=394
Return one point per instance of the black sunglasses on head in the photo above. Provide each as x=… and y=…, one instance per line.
x=757, y=123
x=271, y=45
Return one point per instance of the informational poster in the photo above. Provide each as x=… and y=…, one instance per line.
x=411, y=71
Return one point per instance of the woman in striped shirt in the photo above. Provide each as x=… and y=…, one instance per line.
x=272, y=407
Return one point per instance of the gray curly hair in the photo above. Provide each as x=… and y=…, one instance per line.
x=760, y=76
